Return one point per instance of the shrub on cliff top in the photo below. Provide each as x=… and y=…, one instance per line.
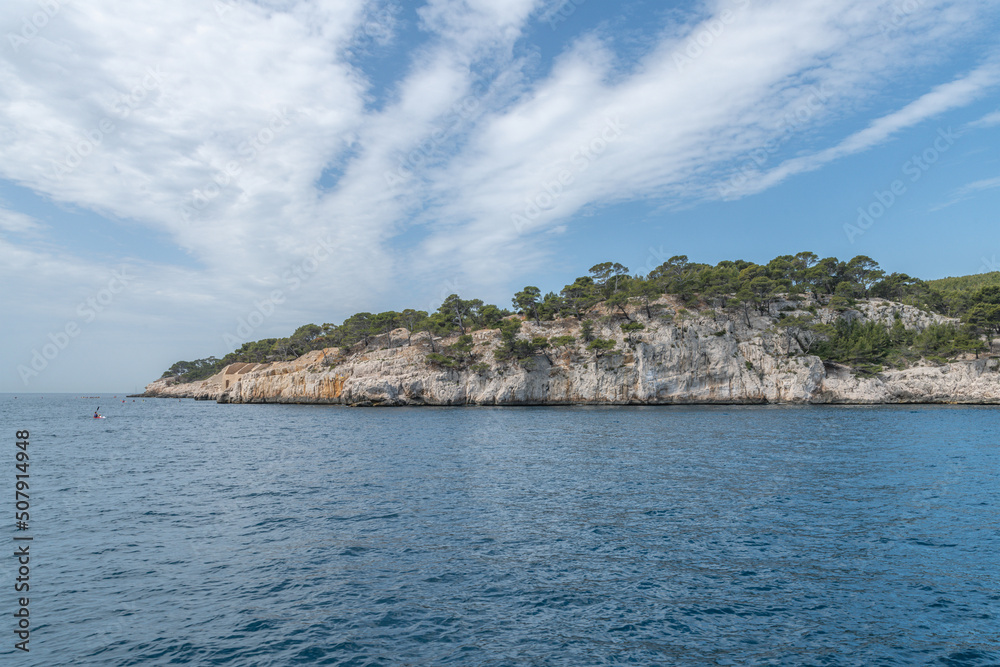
x=601, y=346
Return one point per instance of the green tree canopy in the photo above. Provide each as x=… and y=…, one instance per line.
x=735, y=285
x=527, y=301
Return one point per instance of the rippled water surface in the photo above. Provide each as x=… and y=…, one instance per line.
x=188, y=532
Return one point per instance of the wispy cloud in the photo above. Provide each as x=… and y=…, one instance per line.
x=989, y=120
x=979, y=186
x=425, y=184
x=968, y=191
x=952, y=95
x=686, y=127
x=18, y=223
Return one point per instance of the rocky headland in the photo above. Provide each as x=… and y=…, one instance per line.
x=682, y=356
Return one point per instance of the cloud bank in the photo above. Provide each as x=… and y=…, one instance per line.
x=253, y=138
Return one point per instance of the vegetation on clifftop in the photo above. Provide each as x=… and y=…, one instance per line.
x=738, y=288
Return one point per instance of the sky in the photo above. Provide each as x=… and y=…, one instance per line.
x=177, y=177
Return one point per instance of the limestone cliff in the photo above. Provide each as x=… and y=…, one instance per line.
x=680, y=357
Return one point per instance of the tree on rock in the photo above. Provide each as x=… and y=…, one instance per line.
x=304, y=339
x=619, y=300
x=631, y=328
x=601, y=346
x=985, y=311
x=412, y=320
x=358, y=327
x=648, y=291
x=527, y=301
x=607, y=275
x=764, y=291
x=580, y=296
x=562, y=341
x=385, y=323
x=551, y=307
x=864, y=271
x=458, y=311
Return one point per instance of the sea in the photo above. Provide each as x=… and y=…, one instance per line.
x=184, y=532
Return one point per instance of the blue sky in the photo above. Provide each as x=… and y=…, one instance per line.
x=236, y=169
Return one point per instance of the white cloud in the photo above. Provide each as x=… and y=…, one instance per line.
x=956, y=94
x=692, y=112
x=969, y=191
x=18, y=223
x=146, y=132
x=980, y=186
x=143, y=119
x=989, y=120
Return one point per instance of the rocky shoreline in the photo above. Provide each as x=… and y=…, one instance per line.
x=681, y=357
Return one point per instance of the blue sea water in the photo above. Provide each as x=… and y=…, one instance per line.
x=183, y=532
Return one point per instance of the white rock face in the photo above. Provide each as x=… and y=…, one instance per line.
x=692, y=358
